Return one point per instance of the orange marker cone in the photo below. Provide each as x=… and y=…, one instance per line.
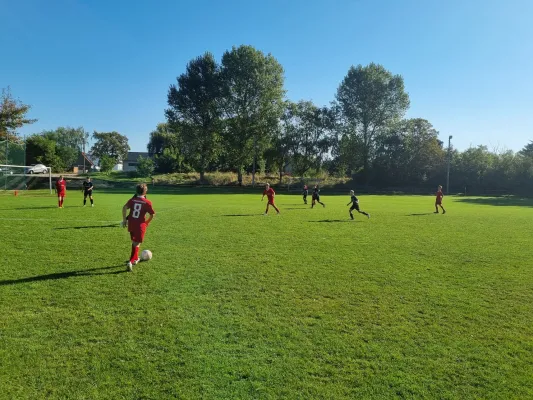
x=16, y=192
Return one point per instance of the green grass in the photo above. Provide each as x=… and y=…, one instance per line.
x=235, y=305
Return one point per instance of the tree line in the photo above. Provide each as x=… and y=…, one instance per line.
x=233, y=115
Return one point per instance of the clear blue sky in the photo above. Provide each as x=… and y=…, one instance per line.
x=107, y=65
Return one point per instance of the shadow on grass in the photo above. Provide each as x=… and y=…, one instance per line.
x=28, y=208
x=336, y=220
x=298, y=208
x=64, y=275
x=418, y=215
x=89, y=227
x=241, y=215
x=499, y=201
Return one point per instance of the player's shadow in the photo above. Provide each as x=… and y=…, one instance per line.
x=336, y=220
x=28, y=208
x=241, y=215
x=499, y=201
x=64, y=275
x=89, y=227
x=418, y=215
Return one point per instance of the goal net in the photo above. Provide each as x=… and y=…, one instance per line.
x=23, y=177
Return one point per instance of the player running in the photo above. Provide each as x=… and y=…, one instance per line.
x=438, y=201
x=269, y=192
x=88, y=191
x=139, y=206
x=305, y=193
x=354, y=201
x=61, y=190
x=316, y=197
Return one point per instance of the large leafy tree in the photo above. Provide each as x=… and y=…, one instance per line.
x=252, y=100
x=194, y=105
x=40, y=149
x=12, y=115
x=110, y=144
x=369, y=99
x=313, y=126
x=165, y=145
x=70, y=142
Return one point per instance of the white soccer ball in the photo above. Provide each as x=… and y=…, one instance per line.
x=146, y=255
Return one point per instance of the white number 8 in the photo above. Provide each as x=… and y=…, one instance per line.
x=136, y=210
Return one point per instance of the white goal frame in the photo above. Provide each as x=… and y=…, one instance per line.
x=24, y=168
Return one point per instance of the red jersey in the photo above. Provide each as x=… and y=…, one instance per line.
x=270, y=194
x=61, y=186
x=139, y=207
x=439, y=195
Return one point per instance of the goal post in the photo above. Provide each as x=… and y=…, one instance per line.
x=21, y=177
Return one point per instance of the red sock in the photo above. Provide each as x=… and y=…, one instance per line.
x=136, y=254
x=132, y=252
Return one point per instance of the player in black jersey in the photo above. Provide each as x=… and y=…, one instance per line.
x=88, y=191
x=305, y=193
x=355, y=205
x=316, y=197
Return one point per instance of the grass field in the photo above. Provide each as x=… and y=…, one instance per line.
x=236, y=305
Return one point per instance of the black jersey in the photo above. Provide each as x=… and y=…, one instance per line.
x=87, y=186
x=354, y=200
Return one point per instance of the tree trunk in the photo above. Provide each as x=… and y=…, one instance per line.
x=253, y=171
x=280, y=173
x=239, y=176
x=202, y=176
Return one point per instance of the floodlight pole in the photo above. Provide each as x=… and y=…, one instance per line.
x=449, y=160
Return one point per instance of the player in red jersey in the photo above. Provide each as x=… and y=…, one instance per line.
x=136, y=221
x=438, y=201
x=61, y=190
x=270, y=194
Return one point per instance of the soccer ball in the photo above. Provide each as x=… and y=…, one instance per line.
x=146, y=255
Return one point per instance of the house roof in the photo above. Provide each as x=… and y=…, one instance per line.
x=134, y=155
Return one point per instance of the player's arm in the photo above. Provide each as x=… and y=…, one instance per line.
x=125, y=214
x=150, y=218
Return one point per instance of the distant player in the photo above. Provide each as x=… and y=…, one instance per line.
x=305, y=193
x=438, y=201
x=316, y=197
x=136, y=221
x=354, y=201
x=269, y=192
x=88, y=191
x=61, y=190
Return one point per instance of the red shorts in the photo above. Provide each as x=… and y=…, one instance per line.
x=271, y=201
x=61, y=194
x=438, y=202
x=137, y=233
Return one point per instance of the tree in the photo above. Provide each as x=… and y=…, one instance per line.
x=145, y=166
x=107, y=163
x=252, y=100
x=110, y=144
x=70, y=142
x=312, y=139
x=194, y=104
x=165, y=146
x=12, y=115
x=40, y=149
x=369, y=99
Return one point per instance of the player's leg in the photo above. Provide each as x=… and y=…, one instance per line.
x=443, y=210
x=275, y=208
x=266, y=211
x=58, y=201
x=364, y=213
x=350, y=211
x=436, y=208
x=92, y=201
x=84, y=199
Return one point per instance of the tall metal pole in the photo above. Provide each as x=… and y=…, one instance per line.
x=449, y=159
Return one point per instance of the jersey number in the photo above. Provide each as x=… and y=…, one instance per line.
x=137, y=210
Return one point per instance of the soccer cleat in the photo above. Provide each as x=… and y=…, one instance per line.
x=368, y=216
x=444, y=211
x=130, y=266
x=324, y=205
x=137, y=261
x=92, y=205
